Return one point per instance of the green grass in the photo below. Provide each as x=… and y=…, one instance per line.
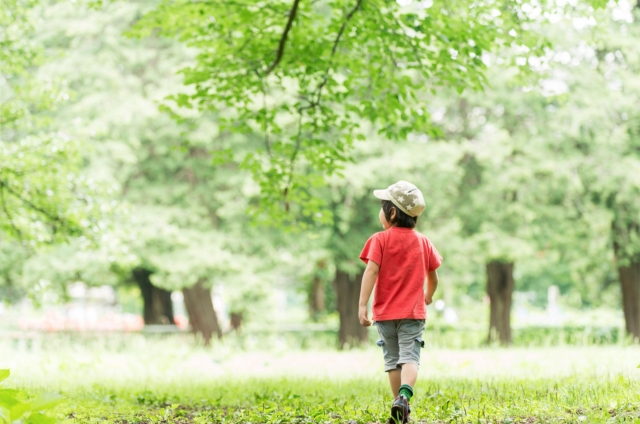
x=171, y=381
x=359, y=400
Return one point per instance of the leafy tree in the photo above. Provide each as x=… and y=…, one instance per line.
x=605, y=140
x=43, y=196
x=186, y=227
x=313, y=77
x=538, y=166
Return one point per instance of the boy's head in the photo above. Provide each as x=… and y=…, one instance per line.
x=394, y=217
x=402, y=203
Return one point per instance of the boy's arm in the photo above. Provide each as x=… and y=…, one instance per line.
x=368, y=281
x=432, y=285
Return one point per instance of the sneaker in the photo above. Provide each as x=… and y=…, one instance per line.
x=400, y=410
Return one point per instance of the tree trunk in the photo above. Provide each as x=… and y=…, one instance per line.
x=630, y=282
x=317, y=304
x=158, y=309
x=202, y=316
x=351, y=333
x=624, y=227
x=235, y=321
x=500, y=290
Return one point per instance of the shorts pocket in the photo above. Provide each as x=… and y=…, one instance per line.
x=419, y=344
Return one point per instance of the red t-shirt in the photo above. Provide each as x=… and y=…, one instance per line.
x=405, y=257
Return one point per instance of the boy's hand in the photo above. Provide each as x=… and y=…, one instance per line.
x=363, y=315
x=428, y=300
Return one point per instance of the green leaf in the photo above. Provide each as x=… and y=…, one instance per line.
x=5, y=416
x=9, y=397
x=40, y=403
x=40, y=418
x=598, y=4
x=4, y=374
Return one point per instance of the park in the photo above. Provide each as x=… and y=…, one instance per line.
x=199, y=199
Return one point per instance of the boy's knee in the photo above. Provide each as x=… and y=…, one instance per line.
x=409, y=364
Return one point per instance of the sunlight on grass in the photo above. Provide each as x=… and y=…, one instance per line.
x=138, y=380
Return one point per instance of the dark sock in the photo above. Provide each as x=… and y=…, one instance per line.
x=406, y=391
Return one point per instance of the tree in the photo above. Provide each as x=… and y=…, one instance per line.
x=43, y=196
x=313, y=77
x=606, y=140
x=542, y=168
x=591, y=125
x=184, y=216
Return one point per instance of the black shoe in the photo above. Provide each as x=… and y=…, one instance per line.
x=400, y=410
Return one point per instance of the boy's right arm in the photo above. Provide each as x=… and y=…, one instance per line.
x=368, y=281
x=432, y=285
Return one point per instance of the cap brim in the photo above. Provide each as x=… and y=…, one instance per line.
x=382, y=194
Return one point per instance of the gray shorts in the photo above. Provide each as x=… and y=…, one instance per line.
x=401, y=341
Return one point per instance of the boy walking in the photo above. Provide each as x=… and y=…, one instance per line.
x=399, y=260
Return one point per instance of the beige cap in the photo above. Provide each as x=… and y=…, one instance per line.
x=407, y=197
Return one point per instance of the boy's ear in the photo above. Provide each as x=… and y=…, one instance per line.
x=393, y=214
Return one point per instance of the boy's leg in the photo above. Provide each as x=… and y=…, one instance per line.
x=410, y=343
x=409, y=375
x=389, y=343
x=395, y=379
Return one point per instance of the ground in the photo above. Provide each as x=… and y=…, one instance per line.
x=138, y=380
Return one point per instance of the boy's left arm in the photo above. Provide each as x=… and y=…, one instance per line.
x=368, y=281
x=432, y=285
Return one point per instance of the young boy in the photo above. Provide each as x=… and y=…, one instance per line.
x=399, y=260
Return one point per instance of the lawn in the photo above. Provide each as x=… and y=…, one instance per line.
x=137, y=380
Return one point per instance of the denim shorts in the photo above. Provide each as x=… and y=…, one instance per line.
x=401, y=341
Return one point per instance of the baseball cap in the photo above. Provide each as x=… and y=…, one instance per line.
x=407, y=197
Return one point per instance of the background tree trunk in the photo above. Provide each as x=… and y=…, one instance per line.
x=351, y=333
x=624, y=227
x=630, y=283
x=317, y=301
x=158, y=309
x=202, y=316
x=500, y=290
x=235, y=321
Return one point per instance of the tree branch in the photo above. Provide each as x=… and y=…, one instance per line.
x=52, y=217
x=283, y=39
x=315, y=103
x=265, y=124
x=294, y=155
x=333, y=51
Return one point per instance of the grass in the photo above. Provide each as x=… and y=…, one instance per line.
x=141, y=380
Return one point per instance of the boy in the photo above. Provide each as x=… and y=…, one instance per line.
x=399, y=260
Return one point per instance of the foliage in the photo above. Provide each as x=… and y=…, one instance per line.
x=540, y=183
x=310, y=78
x=12, y=259
x=179, y=217
x=17, y=407
x=43, y=196
x=606, y=136
x=524, y=171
